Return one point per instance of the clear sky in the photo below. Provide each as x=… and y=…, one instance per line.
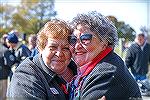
x=136, y=13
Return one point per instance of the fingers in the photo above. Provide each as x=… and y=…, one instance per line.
x=103, y=98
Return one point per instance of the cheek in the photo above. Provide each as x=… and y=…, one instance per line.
x=91, y=48
x=47, y=55
x=71, y=49
x=68, y=57
x=93, y=51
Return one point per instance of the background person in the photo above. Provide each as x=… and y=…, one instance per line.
x=101, y=72
x=3, y=40
x=138, y=57
x=12, y=42
x=32, y=44
x=32, y=41
x=21, y=50
x=7, y=59
x=40, y=77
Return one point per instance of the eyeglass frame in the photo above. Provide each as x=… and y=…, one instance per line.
x=80, y=39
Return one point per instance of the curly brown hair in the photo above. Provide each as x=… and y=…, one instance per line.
x=56, y=29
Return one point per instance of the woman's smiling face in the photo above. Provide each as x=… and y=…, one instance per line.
x=56, y=55
x=83, y=53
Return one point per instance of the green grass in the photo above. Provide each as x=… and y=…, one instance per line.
x=119, y=51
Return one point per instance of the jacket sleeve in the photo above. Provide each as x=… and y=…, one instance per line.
x=110, y=81
x=26, y=84
x=129, y=59
x=97, y=83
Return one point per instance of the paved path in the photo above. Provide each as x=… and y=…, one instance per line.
x=146, y=98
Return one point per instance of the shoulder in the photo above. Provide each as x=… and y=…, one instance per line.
x=26, y=67
x=113, y=59
x=111, y=65
x=104, y=68
x=23, y=47
x=97, y=82
x=26, y=80
x=107, y=67
x=148, y=45
x=133, y=46
x=3, y=48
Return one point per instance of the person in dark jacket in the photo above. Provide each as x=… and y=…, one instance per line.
x=101, y=72
x=21, y=50
x=7, y=59
x=12, y=42
x=138, y=57
x=44, y=76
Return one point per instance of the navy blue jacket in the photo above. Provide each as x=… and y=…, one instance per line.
x=22, y=52
x=110, y=78
x=7, y=59
x=32, y=80
x=138, y=60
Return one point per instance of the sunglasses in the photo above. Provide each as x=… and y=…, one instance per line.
x=85, y=39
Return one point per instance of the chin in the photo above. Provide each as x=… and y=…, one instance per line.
x=80, y=63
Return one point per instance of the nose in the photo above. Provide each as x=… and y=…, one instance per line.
x=78, y=45
x=59, y=52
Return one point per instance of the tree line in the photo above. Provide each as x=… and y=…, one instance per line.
x=30, y=15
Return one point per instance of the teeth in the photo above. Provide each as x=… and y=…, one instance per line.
x=79, y=53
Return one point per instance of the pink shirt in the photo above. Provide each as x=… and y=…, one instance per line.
x=80, y=72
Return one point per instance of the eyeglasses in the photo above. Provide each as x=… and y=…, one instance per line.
x=84, y=39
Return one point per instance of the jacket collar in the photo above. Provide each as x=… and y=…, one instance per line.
x=49, y=74
x=96, y=60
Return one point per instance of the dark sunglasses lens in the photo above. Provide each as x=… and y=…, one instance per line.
x=72, y=40
x=86, y=38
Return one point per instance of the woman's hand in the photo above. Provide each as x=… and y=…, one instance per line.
x=103, y=98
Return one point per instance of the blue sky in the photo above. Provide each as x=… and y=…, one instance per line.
x=136, y=13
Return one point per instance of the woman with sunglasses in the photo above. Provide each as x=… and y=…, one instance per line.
x=101, y=72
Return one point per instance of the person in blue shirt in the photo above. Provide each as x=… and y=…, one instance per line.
x=32, y=44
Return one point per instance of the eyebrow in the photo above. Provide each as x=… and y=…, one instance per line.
x=56, y=44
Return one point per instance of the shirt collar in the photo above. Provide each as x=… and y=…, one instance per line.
x=96, y=60
x=82, y=69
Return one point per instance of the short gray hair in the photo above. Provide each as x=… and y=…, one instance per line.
x=99, y=24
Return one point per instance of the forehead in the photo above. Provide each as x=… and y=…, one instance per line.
x=82, y=29
x=140, y=37
x=57, y=41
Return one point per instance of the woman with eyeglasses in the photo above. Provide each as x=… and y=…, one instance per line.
x=101, y=72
